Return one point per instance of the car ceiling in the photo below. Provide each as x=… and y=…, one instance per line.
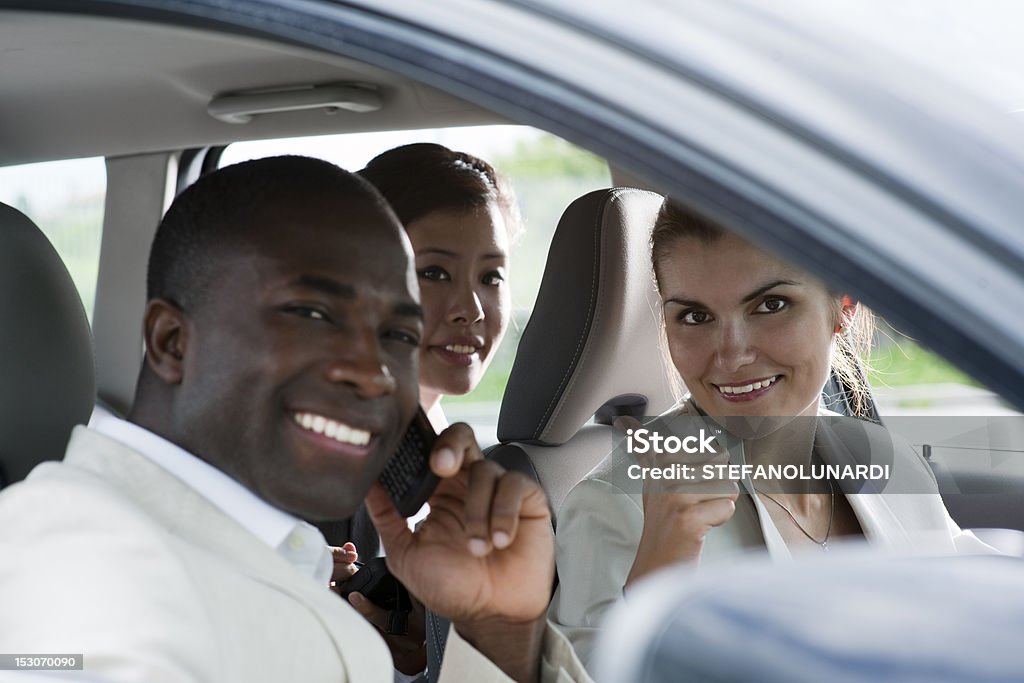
x=587, y=77
x=77, y=86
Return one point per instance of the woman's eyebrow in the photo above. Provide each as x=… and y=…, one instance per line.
x=683, y=302
x=761, y=290
x=692, y=303
x=436, y=250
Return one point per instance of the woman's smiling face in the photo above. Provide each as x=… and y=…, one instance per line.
x=748, y=334
x=462, y=267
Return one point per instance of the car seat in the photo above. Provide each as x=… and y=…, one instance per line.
x=45, y=348
x=591, y=347
x=590, y=350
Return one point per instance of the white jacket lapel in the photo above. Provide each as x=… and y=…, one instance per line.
x=880, y=524
x=193, y=518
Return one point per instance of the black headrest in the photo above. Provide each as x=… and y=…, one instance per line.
x=595, y=329
x=46, y=362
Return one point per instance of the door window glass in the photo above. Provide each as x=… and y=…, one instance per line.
x=65, y=199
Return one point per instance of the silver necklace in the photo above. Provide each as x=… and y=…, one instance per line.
x=831, y=515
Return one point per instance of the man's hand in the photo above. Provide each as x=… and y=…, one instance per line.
x=484, y=557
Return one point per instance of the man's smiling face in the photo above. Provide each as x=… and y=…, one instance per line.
x=300, y=372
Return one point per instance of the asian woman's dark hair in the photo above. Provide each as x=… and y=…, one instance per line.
x=422, y=178
x=676, y=221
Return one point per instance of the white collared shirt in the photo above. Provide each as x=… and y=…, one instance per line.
x=299, y=542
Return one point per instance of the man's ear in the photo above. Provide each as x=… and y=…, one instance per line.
x=166, y=335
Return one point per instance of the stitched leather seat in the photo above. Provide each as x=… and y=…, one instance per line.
x=45, y=350
x=592, y=341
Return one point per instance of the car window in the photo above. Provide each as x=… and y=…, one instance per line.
x=547, y=173
x=65, y=199
x=908, y=379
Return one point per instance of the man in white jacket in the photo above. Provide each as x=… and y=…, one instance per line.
x=281, y=336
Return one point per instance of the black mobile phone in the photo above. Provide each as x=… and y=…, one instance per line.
x=375, y=581
x=407, y=477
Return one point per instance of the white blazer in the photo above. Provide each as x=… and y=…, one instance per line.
x=109, y=555
x=600, y=524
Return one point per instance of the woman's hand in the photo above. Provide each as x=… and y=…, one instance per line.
x=679, y=513
x=408, y=650
x=344, y=564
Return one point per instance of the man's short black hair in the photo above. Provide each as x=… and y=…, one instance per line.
x=220, y=208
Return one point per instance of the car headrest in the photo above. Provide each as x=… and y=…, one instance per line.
x=46, y=355
x=595, y=329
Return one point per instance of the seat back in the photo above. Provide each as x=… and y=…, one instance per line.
x=592, y=340
x=45, y=349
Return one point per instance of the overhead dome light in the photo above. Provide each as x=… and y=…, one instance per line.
x=240, y=107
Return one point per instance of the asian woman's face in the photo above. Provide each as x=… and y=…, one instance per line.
x=749, y=334
x=462, y=267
